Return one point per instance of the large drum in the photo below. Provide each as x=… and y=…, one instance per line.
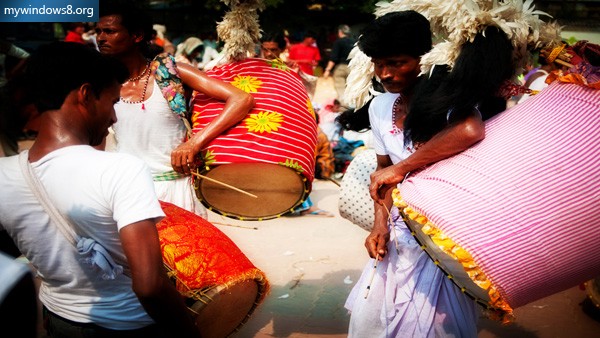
x=221, y=285
x=514, y=218
x=270, y=154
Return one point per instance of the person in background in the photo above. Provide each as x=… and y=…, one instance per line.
x=114, y=285
x=339, y=59
x=161, y=40
x=75, y=31
x=189, y=50
x=306, y=54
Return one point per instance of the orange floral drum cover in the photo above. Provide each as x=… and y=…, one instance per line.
x=200, y=256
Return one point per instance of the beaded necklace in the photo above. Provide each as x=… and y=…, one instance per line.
x=133, y=79
x=137, y=78
x=395, y=110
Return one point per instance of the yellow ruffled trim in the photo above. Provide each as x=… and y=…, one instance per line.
x=497, y=308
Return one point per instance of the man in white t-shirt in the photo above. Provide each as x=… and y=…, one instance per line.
x=107, y=198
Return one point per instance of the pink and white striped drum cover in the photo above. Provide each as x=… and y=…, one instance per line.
x=270, y=154
x=525, y=201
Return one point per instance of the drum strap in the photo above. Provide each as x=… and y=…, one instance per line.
x=92, y=252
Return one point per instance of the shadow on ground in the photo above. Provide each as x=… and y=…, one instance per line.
x=304, y=306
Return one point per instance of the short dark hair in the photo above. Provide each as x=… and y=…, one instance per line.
x=276, y=37
x=396, y=33
x=134, y=19
x=58, y=68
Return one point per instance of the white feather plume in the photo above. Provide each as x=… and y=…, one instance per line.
x=456, y=22
x=240, y=29
x=358, y=83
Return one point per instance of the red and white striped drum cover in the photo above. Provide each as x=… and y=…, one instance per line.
x=525, y=201
x=280, y=129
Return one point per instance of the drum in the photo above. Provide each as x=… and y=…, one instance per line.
x=270, y=154
x=222, y=287
x=512, y=219
x=355, y=203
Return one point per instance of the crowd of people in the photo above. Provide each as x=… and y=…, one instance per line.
x=118, y=134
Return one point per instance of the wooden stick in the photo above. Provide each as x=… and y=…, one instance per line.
x=235, y=225
x=224, y=184
x=372, y=275
x=334, y=181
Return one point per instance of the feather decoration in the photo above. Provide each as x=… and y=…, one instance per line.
x=456, y=22
x=240, y=29
x=358, y=83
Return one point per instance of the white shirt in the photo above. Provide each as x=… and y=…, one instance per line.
x=100, y=193
x=385, y=142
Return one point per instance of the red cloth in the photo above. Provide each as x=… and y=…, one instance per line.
x=73, y=37
x=201, y=255
x=306, y=57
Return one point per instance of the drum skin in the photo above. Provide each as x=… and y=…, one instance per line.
x=279, y=132
x=222, y=286
x=524, y=202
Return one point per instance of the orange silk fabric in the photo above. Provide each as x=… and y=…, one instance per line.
x=200, y=254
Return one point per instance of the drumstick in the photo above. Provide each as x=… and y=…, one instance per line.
x=372, y=275
x=224, y=184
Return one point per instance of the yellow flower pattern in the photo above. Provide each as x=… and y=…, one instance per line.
x=279, y=64
x=292, y=164
x=249, y=84
x=264, y=122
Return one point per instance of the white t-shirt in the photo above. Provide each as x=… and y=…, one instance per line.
x=385, y=141
x=100, y=193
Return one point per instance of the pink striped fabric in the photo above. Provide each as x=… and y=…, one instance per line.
x=524, y=202
x=277, y=91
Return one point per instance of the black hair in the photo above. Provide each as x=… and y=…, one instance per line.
x=135, y=20
x=396, y=33
x=58, y=68
x=276, y=37
x=480, y=69
x=355, y=119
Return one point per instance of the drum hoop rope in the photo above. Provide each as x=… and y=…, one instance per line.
x=204, y=295
x=492, y=311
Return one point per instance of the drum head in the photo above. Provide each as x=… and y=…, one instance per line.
x=277, y=187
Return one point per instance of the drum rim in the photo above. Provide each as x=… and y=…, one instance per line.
x=492, y=311
x=202, y=297
x=303, y=196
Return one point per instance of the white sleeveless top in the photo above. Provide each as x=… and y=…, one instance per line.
x=150, y=134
